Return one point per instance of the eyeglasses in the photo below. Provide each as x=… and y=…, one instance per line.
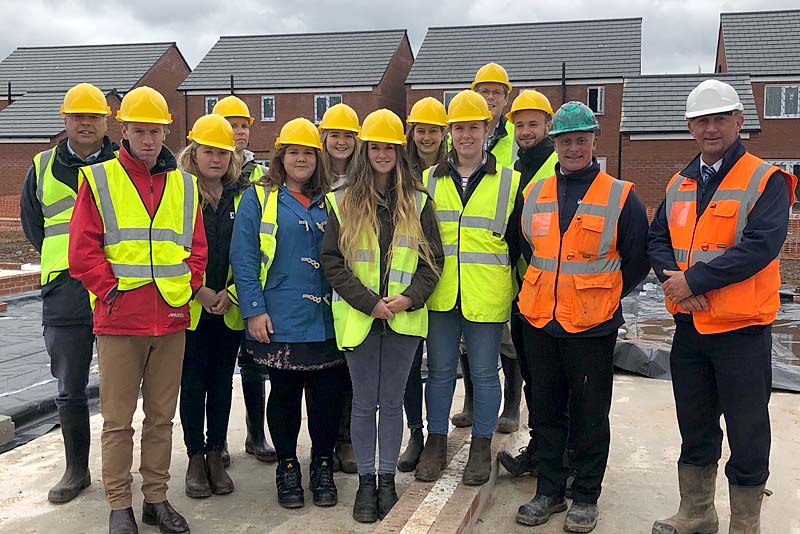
x=486, y=93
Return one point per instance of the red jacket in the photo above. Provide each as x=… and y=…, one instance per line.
x=141, y=311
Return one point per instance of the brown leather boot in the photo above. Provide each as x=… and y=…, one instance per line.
x=218, y=479
x=746, y=509
x=197, y=477
x=479, y=464
x=696, y=512
x=433, y=459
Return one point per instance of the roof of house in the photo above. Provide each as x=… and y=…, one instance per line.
x=33, y=115
x=57, y=68
x=762, y=42
x=656, y=104
x=531, y=51
x=341, y=59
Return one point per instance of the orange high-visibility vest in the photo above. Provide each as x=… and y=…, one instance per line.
x=576, y=278
x=754, y=301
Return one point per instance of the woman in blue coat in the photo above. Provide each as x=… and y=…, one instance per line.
x=285, y=301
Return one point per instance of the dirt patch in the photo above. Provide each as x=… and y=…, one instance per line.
x=14, y=248
x=790, y=273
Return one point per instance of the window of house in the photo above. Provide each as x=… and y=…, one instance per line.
x=597, y=100
x=267, y=108
x=448, y=96
x=601, y=160
x=781, y=101
x=322, y=103
x=211, y=101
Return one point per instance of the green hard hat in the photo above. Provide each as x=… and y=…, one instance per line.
x=573, y=117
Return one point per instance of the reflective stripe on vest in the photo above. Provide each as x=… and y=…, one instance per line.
x=268, y=200
x=143, y=249
x=754, y=301
x=477, y=265
x=574, y=278
x=547, y=169
x=57, y=201
x=352, y=326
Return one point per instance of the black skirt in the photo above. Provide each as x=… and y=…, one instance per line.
x=309, y=356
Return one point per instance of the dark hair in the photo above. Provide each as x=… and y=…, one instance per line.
x=276, y=174
x=414, y=159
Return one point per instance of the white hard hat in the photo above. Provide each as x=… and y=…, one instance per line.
x=712, y=96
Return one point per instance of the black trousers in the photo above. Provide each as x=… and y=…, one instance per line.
x=70, y=350
x=726, y=374
x=572, y=384
x=207, y=384
x=518, y=339
x=284, y=416
x=412, y=401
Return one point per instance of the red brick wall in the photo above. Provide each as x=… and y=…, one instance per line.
x=650, y=165
x=19, y=283
x=15, y=159
x=721, y=64
x=779, y=137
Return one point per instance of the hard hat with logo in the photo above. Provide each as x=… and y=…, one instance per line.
x=468, y=106
x=530, y=99
x=383, y=126
x=494, y=73
x=428, y=111
x=712, y=96
x=144, y=104
x=85, y=98
x=340, y=117
x=233, y=106
x=573, y=117
x=213, y=130
x=299, y=131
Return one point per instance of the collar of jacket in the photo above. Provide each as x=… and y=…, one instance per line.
x=164, y=163
x=318, y=198
x=66, y=158
x=489, y=165
x=732, y=155
x=499, y=132
x=540, y=152
x=588, y=174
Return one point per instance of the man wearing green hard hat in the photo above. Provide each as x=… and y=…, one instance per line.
x=584, y=236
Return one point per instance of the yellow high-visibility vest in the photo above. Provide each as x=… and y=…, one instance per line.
x=57, y=200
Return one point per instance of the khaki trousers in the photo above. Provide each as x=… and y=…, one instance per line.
x=128, y=364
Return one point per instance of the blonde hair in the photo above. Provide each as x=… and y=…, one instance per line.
x=187, y=161
x=320, y=182
x=327, y=160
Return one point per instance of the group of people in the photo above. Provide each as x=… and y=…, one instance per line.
x=496, y=239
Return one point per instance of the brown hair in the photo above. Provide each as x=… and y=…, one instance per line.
x=320, y=182
x=414, y=159
x=187, y=161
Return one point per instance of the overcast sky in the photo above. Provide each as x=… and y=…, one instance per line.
x=677, y=35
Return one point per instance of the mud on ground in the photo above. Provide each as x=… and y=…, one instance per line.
x=14, y=248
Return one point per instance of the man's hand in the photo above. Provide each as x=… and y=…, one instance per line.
x=382, y=311
x=207, y=297
x=398, y=303
x=694, y=304
x=675, y=287
x=260, y=326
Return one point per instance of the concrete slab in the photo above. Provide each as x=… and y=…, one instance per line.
x=6, y=431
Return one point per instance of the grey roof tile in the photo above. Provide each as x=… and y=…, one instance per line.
x=763, y=42
x=656, y=104
x=531, y=51
x=33, y=115
x=343, y=59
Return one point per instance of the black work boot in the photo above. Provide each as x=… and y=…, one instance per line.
x=218, y=478
x=289, y=481
x=696, y=512
x=479, y=464
x=256, y=442
x=122, y=522
x=433, y=459
x=365, y=507
x=410, y=457
x=322, y=486
x=165, y=517
x=343, y=451
x=523, y=463
x=512, y=393
x=539, y=509
x=582, y=517
x=197, y=486
x=464, y=418
x=75, y=429
x=387, y=494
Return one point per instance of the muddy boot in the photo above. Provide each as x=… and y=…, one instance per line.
x=75, y=430
x=479, y=464
x=197, y=486
x=433, y=459
x=289, y=481
x=746, y=509
x=512, y=393
x=344, y=447
x=365, y=507
x=464, y=419
x=410, y=457
x=218, y=479
x=582, y=517
x=524, y=463
x=387, y=494
x=322, y=485
x=539, y=509
x=696, y=512
x=254, y=403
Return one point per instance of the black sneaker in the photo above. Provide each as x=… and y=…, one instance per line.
x=322, y=485
x=290, y=483
x=539, y=509
x=523, y=463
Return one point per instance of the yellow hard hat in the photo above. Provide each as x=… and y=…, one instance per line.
x=144, y=104
x=85, y=98
x=491, y=72
x=213, y=130
x=468, y=106
x=530, y=99
x=340, y=117
x=232, y=106
x=383, y=126
x=428, y=111
x=299, y=131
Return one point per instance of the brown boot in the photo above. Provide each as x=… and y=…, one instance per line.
x=218, y=479
x=343, y=451
x=433, y=459
x=696, y=512
x=197, y=477
x=746, y=509
x=479, y=465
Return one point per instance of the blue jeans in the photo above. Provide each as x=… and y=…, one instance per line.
x=483, y=347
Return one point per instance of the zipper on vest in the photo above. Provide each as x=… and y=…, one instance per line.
x=558, y=270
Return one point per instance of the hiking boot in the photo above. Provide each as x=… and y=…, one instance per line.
x=322, y=486
x=479, y=464
x=696, y=512
x=524, y=463
x=539, y=509
x=197, y=486
x=75, y=430
x=387, y=494
x=289, y=481
x=256, y=442
x=582, y=517
x=433, y=459
x=465, y=418
x=410, y=457
x=512, y=393
x=165, y=517
x=746, y=509
x=365, y=507
x=218, y=479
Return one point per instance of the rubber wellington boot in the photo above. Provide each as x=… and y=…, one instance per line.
x=696, y=512
x=746, y=509
x=479, y=464
x=343, y=450
x=464, y=418
x=410, y=457
x=433, y=459
x=75, y=429
x=512, y=393
x=254, y=403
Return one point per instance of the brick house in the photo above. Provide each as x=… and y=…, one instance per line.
x=39, y=76
x=597, y=55
x=282, y=77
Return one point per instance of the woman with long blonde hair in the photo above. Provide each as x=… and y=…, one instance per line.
x=382, y=255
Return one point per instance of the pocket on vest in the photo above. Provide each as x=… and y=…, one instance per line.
x=529, y=294
x=734, y=302
x=594, y=301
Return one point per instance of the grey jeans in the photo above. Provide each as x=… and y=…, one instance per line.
x=379, y=370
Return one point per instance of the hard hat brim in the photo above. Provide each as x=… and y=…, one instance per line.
x=412, y=123
x=279, y=144
x=507, y=85
x=469, y=119
x=215, y=145
x=378, y=139
x=106, y=113
x=556, y=133
x=714, y=111
x=344, y=129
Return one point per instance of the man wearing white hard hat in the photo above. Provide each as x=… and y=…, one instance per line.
x=714, y=244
